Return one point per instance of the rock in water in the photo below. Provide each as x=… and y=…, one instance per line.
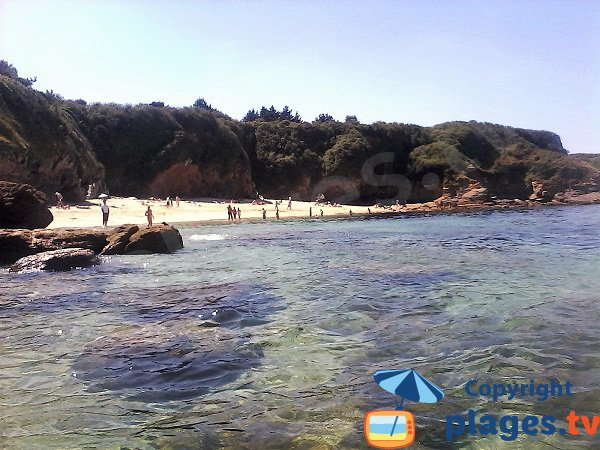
x=118, y=239
x=56, y=260
x=22, y=206
x=162, y=238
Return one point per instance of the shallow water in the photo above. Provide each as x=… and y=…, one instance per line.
x=260, y=336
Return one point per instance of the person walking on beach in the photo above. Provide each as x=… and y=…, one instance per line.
x=177, y=200
x=59, y=199
x=149, y=216
x=105, y=210
x=239, y=213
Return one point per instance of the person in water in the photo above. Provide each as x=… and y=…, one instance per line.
x=105, y=211
x=149, y=216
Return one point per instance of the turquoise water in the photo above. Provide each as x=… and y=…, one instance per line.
x=266, y=336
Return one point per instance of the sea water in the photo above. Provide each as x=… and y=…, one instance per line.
x=267, y=335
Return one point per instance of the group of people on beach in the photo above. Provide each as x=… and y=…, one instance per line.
x=233, y=213
x=170, y=201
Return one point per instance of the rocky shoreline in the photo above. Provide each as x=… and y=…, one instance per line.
x=16, y=244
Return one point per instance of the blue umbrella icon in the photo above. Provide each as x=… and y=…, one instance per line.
x=408, y=384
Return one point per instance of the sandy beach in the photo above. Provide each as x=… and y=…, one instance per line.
x=131, y=210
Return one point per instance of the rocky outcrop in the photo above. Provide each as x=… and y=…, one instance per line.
x=118, y=239
x=56, y=260
x=159, y=239
x=474, y=193
x=15, y=244
x=22, y=206
x=126, y=239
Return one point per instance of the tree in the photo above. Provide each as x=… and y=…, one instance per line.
x=251, y=115
x=9, y=70
x=201, y=103
x=351, y=119
x=272, y=115
x=157, y=104
x=324, y=118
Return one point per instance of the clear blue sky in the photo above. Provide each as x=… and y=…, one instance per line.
x=531, y=64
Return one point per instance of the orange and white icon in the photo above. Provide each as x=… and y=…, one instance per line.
x=389, y=428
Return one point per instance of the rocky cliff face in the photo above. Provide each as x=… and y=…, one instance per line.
x=58, y=145
x=41, y=145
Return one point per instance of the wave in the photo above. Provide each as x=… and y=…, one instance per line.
x=209, y=237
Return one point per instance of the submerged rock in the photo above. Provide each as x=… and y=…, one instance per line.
x=22, y=206
x=56, y=260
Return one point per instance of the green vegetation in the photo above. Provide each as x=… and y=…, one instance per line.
x=154, y=149
x=591, y=158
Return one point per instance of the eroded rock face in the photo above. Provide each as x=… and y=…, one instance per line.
x=22, y=206
x=56, y=260
x=475, y=193
x=161, y=238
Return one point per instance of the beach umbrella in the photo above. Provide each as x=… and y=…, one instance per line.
x=103, y=196
x=408, y=384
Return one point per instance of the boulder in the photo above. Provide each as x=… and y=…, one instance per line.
x=162, y=238
x=22, y=206
x=17, y=243
x=56, y=260
x=118, y=239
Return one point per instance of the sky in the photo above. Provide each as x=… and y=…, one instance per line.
x=523, y=63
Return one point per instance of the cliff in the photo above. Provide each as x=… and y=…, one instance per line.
x=59, y=145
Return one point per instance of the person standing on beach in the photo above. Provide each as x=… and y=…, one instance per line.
x=105, y=210
x=229, y=213
x=177, y=200
x=149, y=216
x=321, y=214
x=59, y=199
x=234, y=213
x=290, y=203
x=239, y=213
x=264, y=211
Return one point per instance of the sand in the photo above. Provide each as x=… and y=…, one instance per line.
x=131, y=211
